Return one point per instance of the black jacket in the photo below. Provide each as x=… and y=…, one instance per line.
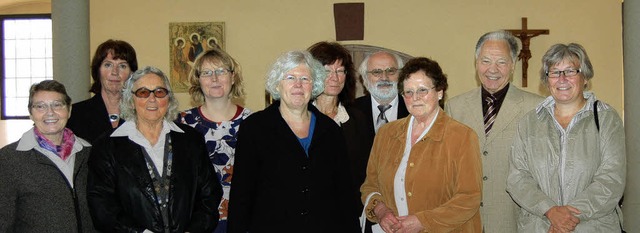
x=89, y=119
x=120, y=190
x=357, y=137
x=277, y=188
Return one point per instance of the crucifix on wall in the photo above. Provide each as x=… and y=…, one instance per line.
x=525, y=36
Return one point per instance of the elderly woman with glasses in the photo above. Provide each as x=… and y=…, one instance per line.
x=151, y=174
x=216, y=80
x=424, y=172
x=43, y=176
x=291, y=173
x=568, y=161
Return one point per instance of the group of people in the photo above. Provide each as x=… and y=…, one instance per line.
x=494, y=159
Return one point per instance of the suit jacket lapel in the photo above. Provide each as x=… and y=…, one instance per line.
x=81, y=157
x=508, y=112
x=475, y=108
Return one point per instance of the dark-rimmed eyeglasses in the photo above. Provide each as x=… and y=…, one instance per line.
x=339, y=72
x=567, y=73
x=44, y=107
x=388, y=72
x=221, y=72
x=420, y=92
x=143, y=92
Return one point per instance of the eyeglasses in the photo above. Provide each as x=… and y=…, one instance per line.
x=567, y=73
x=120, y=66
x=221, y=72
x=340, y=73
x=143, y=92
x=293, y=79
x=388, y=71
x=44, y=107
x=420, y=92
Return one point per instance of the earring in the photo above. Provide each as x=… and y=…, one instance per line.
x=439, y=97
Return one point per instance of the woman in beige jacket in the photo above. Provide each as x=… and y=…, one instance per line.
x=424, y=173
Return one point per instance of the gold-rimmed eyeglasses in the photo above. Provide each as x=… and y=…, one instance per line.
x=44, y=107
x=420, y=92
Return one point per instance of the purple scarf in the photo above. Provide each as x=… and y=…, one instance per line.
x=63, y=151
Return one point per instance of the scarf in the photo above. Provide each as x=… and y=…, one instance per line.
x=64, y=150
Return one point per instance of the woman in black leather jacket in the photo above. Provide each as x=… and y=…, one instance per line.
x=150, y=174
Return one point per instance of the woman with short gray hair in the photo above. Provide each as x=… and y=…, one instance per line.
x=43, y=176
x=568, y=161
x=290, y=173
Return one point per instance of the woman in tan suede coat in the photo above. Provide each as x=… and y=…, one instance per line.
x=424, y=173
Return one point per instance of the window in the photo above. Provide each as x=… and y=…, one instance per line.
x=26, y=53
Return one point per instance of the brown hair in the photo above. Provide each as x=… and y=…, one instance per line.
x=120, y=50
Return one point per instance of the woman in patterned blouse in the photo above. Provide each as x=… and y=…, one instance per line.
x=216, y=79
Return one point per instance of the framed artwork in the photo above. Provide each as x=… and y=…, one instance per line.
x=186, y=42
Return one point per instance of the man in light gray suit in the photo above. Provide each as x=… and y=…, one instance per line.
x=493, y=111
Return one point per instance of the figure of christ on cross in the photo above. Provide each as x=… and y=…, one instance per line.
x=525, y=36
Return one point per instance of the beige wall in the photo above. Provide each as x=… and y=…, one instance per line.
x=11, y=7
x=258, y=31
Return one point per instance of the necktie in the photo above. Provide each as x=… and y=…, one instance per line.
x=490, y=116
x=382, y=119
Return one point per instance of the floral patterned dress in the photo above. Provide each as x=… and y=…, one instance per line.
x=220, y=138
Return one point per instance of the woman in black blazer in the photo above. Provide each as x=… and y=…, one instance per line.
x=336, y=101
x=291, y=172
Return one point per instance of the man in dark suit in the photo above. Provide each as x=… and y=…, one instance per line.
x=380, y=76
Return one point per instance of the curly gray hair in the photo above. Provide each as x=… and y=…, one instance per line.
x=127, y=105
x=289, y=61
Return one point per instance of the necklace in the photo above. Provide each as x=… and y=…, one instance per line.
x=113, y=117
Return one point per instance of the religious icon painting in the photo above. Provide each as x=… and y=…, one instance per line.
x=186, y=42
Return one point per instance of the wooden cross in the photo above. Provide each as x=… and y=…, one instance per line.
x=525, y=35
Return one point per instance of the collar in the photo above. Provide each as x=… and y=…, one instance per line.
x=549, y=103
x=129, y=128
x=28, y=142
x=436, y=131
x=499, y=95
x=341, y=116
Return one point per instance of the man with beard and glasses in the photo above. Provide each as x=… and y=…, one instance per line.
x=380, y=76
x=493, y=111
x=382, y=105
